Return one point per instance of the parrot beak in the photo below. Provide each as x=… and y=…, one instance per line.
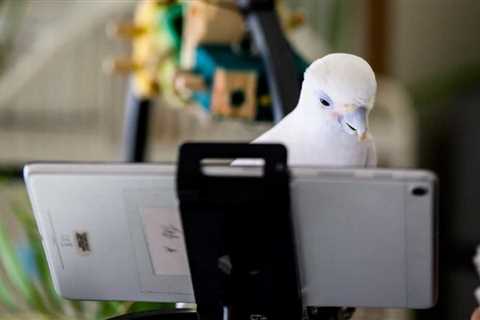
x=355, y=122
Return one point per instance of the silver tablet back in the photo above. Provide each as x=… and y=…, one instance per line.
x=103, y=231
x=366, y=237
x=112, y=232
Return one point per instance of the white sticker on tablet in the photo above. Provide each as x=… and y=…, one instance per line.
x=165, y=241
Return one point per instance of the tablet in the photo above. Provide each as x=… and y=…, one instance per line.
x=364, y=237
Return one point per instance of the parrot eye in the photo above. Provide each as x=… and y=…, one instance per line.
x=325, y=100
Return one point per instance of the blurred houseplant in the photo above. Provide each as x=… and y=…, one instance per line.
x=26, y=286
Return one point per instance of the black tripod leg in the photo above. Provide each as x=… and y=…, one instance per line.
x=277, y=55
x=135, y=131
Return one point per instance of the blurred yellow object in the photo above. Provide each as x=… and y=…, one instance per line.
x=289, y=19
x=153, y=62
x=120, y=65
x=125, y=30
x=145, y=49
x=295, y=20
x=151, y=49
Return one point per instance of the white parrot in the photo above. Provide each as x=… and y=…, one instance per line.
x=329, y=126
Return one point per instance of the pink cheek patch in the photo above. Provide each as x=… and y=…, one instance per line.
x=335, y=115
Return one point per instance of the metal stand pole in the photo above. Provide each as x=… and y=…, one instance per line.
x=135, y=131
x=277, y=55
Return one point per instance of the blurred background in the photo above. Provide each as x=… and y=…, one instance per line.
x=67, y=67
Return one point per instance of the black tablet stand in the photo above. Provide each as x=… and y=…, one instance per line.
x=239, y=235
x=239, y=238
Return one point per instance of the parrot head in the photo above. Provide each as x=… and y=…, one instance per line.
x=340, y=87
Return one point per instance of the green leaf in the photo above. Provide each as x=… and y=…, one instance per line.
x=108, y=309
x=17, y=275
x=147, y=306
x=34, y=239
x=78, y=307
x=7, y=298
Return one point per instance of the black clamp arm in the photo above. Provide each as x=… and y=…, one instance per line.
x=239, y=235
